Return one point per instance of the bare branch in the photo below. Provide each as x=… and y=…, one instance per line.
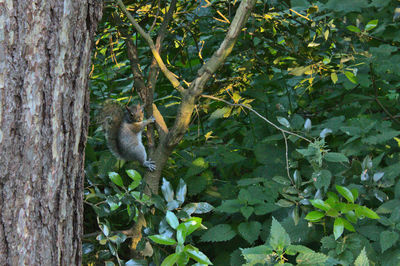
x=259, y=115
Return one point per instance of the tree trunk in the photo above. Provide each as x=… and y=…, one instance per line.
x=45, y=49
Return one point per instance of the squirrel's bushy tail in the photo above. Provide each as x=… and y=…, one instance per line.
x=111, y=118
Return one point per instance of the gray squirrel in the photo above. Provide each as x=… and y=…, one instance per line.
x=123, y=130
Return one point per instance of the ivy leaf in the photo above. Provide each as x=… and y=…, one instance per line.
x=221, y=232
x=116, y=179
x=371, y=25
x=362, y=259
x=338, y=227
x=346, y=193
x=163, y=240
x=279, y=237
x=249, y=231
x=388, y=239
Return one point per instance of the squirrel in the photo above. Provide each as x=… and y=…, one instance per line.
x=123, y=130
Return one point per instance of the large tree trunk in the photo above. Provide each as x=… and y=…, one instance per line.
x=45, y=49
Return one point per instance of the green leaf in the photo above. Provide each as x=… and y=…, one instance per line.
x=181, y=191
x=134, y=175
x=314, y=216
x=247, y=211
x=320, y=204
x=198, y=208
x=188, y=227
x=362, y=259
x=353, y=29
x=220, y=113
x=163, y=240
x=221, y=232
x=172, y=220
x=170, y=260
x=334, y=77
x=350, y=76
x=346, y=193
x=371, y=25
x=311, y=258
x=116, y=179
x=362, y=211
x=322, y=178
x=283, y=121
x=279, y=238
x=348, y=225
x=167, y=191
x=230, y=206
x=197, y=255
x=335, y=157
x=338, y=227
x=249, y=231
x=388, y=239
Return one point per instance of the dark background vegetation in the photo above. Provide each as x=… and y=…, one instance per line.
x=326, y=70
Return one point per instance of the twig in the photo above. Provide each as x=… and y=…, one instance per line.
x=170, y=76
x=287, y=158
x=376, y=95
x=260, y=116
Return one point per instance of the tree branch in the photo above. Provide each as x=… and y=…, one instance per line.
x=170, y=76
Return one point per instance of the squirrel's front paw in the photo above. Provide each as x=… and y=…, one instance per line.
x=150, y=165
x=152, y=119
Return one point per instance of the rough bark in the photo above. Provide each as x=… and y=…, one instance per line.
x=45, y=49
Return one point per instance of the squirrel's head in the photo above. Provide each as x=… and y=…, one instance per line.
x=134, y=114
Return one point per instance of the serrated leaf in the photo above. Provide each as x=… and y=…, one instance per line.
x=338, y=227
x=362, y=259
x=283, y=121
x=247, y=211
x=181, y=191
x=351, y=77
x=219, y=233
x=314, y=216
x=116, y=179
x=171, y=219
x=353, y=29
x=335, y=157
x=258, y=255
x=388, y=239
x=279, y=238
x=197, y=255
x=249, y=231
x=163, y=240
x=371, y=25
x=311, y=258
x=346, y=193
x=167, y=191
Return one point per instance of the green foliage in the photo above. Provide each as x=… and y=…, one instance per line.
x=326, y=70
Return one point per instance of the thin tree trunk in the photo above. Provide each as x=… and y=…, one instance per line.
x=45, y=49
